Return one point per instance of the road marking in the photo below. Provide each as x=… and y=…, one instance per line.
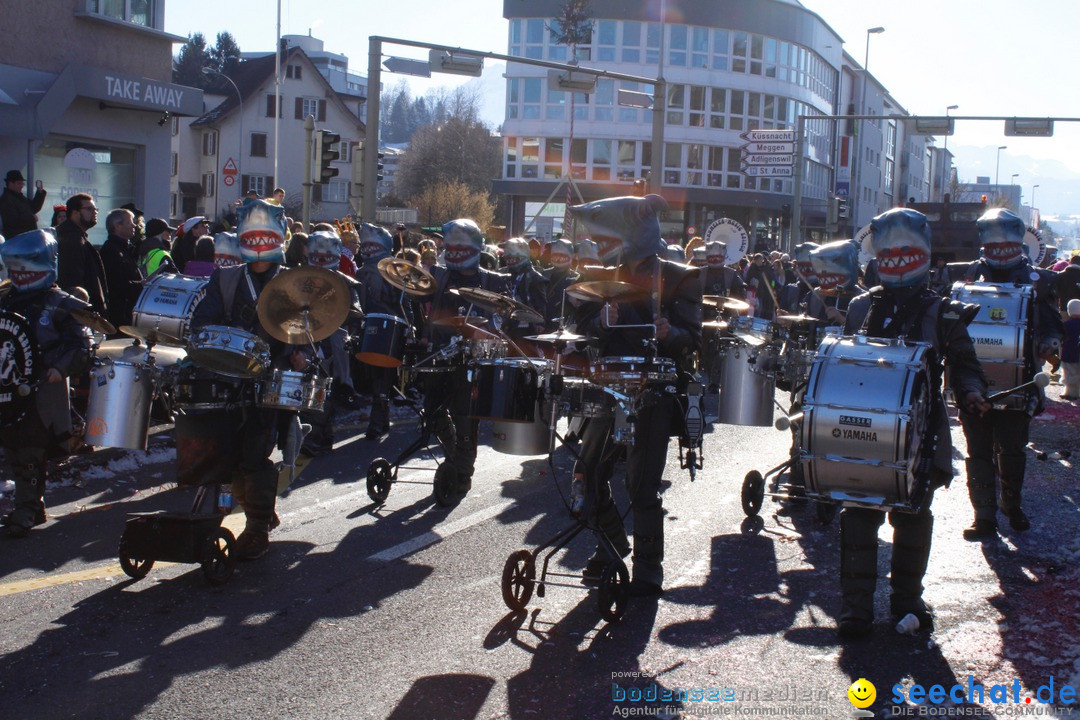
x=440, y=532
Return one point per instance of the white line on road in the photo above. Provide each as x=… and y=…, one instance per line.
x=440, y=532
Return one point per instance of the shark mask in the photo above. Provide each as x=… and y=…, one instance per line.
x=462, y=243
x=260, y=227
x=715, y=254
x=901, y=242
x=30, y=258
x=626, y=228
x=836, y=265
x=587, y=251
x=802, y=261
x=515, y=255
x=1001, y=234
x=376, y=242
x=560, y=253
x=324, y=250
x=226, y=250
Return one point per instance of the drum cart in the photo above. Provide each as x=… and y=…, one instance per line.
x=192, y=537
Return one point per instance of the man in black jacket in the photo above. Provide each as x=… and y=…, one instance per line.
x=17, y=212
x=79, y=262
x=122, y=273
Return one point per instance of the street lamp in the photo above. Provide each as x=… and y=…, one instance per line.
x=945, y=152
x=240, y=101
x=862, y=110
x=997, y=165
x=1014, y=176
x=1033, y=196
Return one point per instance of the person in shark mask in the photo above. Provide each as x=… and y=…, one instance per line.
x=64, y=346
x=560, y=276
x=835, y=268
x=627, y=230
x=718, y=278
x=996, y=440
x=903, y=306
x=527, y=285
x=245, y=433
x=226, y=250
x=793, y=295
x=462, y=245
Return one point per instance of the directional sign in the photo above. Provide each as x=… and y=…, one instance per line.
x=754, y=159
x=765, y=148
x=406, y=66
x=768, y=171
x=770, y=136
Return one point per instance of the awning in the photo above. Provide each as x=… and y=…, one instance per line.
x=188, y=188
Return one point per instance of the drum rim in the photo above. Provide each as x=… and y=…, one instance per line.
x=384, y=316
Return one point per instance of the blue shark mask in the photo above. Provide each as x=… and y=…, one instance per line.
x=31, y=260
x=1001, y=234
x=802, y=261
x=561, y=253
x=515, y=255
x=226, y=250
x=462, y=243
x=626, y=228
x=324, y=250
x=587, y=251
x=901, y=243
x=260, y=227
x=376, y=242
x=836, y=265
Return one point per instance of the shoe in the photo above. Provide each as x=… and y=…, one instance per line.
x=251, y=545
x=1018, y=521
x=376, y=433
x=19, y=521
x=640, y=587
x=854, y=628
x=981, y=529
x=464, y=483
x=918, y=608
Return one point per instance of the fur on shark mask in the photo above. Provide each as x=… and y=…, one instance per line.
x=324, y=250
x=515, y=255
x=560, y=253
x=227, y=250
x=1001, y=234
x=625, y=228
x=260, y=228
x=715, y=253
x=376, y=242
x=836, y=265
x=31, y=260
x=802, y=261
x=901, y=242
x=462, y=243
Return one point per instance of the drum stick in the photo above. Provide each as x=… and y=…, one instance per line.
x=1041, y=379
x=816, y=291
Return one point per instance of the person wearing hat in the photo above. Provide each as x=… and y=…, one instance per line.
x=18, y=212
x=155, y=252
x=184, y=247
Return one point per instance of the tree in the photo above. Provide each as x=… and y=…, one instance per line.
x=572, y=26
x=449, y=200
x=188, y=64
x=225, y=54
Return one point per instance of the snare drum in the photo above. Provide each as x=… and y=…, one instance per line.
x=866, y=414
x=167, y=303
x=632, y=373
x=382, y=341
x=747, y=385
x=229, y=351
x=487, y=348
x=198, y=389
x=118, y=411
x=999, y=332
x=291, y=390
x=505, y=389
x=753, y=331
x=582, y=399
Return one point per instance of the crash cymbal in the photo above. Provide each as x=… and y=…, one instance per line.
x=796, y=320
x=458, y=322
x=714, y=300
x=5, y=287
x=605, y=291
x=714, y=325
x=304, y=304
x=493, y=302
x=558, y=337
x=94, y=321
x=151, y=336
x=406, y=276
x=736, y=305
x=131, y=351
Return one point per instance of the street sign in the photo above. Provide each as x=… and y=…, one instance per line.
x=769, y=136
x=691, y=230
x=767, y=148
x=755, y=159
x=405, y=66
x=230, y=172
x=776, y=171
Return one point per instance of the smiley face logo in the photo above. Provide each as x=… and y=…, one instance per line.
x=862, y=693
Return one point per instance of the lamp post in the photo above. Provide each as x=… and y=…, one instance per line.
x=1014, y=176
x=997, y=165
x=945, y=153
x=240, y=101
x=856, y=209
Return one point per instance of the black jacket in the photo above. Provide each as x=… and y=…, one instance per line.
x=18, y=213
x=124, y=278
x=79, y=265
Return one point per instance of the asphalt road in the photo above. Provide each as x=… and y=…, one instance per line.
x=395, y=611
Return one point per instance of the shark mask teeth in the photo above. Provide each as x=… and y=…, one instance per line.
x=26, y=278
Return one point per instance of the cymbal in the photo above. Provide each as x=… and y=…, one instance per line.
x=714, y=325
x=94, y=321
x=499, y=304
x=736, y=305
x=151, y=336
x=605, y=291
x=796, y=319
x=714, y=300
x=459, y=322
x=304, y=304
x=130, y=351
x=406, y=276
x=558, y=337
x=6, y=286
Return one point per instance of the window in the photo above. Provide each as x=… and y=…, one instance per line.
x=677, y=53
x=344, y=149
x=314, y=107
x=293, y=72
x=208, y=184
x=270, y=106
x=137, y=12
x=337, y=190
x=209, y=143
x=175, y=126
x=631, y=42
x=258, y=145
x=605, y=41
x=175, y=164
x=261, y=184
x=173, y=201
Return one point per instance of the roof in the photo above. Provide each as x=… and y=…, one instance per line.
x=250, y=76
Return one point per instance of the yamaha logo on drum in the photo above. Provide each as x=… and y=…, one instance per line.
x=855, y=420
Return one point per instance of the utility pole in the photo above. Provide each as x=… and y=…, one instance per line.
x=309, y=130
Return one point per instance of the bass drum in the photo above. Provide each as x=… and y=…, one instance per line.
x=167, y=303
x=20, y=367
x=999, y=333
x=865, y=435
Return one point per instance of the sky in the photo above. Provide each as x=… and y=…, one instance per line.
x=991, y=58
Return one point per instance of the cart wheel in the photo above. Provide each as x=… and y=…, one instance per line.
x=378, y=479
x=518, y=579
x=133, y=566
x=614, y=590
x=753, y=492
x=217, y=565
x=445, y=485
x=826, y=511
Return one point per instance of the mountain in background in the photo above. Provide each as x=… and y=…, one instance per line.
x=1058, y=194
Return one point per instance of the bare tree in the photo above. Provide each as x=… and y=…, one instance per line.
x=448, y=200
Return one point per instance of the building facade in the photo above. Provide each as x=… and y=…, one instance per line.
x=90, y=109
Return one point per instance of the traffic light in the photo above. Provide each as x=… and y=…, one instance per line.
x=324, y=155
x=841, y=209
x=832, y=210
x=378, y=166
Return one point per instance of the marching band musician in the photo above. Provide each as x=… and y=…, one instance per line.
x=996, y=440
x=718, y=278
x=64, y=346
x=246, y=433
x=794, y=294
x=903, y=306
x=836, y=270
x=527, y=285
x=457, y=433
x=672, y=302
x=560, y=276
